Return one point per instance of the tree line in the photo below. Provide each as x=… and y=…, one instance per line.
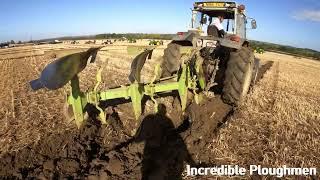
x=12, y=42
x=302, y=52
x=118, y=36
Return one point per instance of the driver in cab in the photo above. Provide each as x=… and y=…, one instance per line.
x=216, y=27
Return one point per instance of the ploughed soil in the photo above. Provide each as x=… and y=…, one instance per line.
x=160, y=147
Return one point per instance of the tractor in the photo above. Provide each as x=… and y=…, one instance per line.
x=155, y=43
x=194, y=62
x=132, y=40
x=4, y=45
x=259, y=50
x=228, y=62
x=108, y=41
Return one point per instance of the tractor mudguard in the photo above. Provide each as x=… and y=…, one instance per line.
x=61, y=71
x=186, y=38
x=230, y=44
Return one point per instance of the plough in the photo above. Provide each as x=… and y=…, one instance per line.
x=63, y=70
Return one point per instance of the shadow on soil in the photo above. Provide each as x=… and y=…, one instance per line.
x=164, y=151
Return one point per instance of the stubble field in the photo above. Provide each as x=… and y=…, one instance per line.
x=277, y=125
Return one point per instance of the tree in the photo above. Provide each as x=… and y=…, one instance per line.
x=12, y=42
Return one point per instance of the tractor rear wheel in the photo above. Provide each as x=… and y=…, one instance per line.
x=238, y=76
x=171, y=59
x=255, y=72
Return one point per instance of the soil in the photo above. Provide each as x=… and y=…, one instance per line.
x=160, y=146
x=158, y=149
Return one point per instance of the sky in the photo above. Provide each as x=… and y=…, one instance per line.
x=288, y=22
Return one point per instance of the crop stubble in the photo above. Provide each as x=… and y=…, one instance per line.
x=278, y=124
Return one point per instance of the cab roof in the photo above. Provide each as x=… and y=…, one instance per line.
x=217, y=8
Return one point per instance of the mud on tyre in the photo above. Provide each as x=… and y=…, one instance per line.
x=238, y=76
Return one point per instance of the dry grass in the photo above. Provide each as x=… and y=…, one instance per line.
x=26, y=116
x=279, y=123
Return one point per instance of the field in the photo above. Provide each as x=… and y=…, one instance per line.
x=277, y=125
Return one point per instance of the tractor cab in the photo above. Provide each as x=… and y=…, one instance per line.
x=234, y=16
x=204, y=13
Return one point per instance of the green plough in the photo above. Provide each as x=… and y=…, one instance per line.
x=60, y=72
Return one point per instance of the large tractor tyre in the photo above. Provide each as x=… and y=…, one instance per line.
x=171, y=60
x=238, y=76
x=255, y=72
